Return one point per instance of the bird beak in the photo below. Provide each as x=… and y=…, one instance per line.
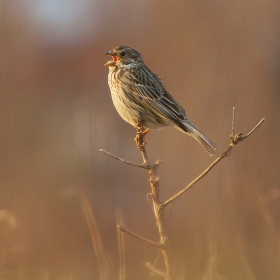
x=111, y=62
x=109, y=52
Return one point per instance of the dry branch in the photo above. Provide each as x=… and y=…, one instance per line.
x=234, y=140
x=141, y=238
x=156, y=270
x=145, y=166
x=158, y=206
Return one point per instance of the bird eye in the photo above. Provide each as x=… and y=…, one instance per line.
x=123, y=53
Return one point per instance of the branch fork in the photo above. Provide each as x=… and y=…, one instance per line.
x=159, y=206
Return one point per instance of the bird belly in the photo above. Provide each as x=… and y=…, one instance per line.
x=132, y=112
x=131, y=108
x=128, y=111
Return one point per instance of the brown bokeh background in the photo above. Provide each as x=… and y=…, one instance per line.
x=60, y=198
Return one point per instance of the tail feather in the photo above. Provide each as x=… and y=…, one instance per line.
x=205, y=142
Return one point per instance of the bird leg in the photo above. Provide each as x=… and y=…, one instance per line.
x=141, y=131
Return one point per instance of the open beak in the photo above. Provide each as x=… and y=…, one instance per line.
x=110, y=62
x=109, y=52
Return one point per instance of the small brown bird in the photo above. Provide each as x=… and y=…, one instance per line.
x=140, y=97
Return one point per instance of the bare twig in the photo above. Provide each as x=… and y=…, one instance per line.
x=159, y=207
x=233, y=122
x=156, y=270
x=159, y=214
x=143, y=239
x=142, y=165
x=96, y=239
x=121, y=247
x=249, y=133
x=156, y=258
x=170, y=200
x=234, y=140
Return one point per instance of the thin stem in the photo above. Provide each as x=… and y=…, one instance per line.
x=233, y=122
x=156, y=270
x=145, y=166
x=234, y=140
x=170, y=200
x=159, y=207
x=143, y=239
x=159, y=212
x=249, y=133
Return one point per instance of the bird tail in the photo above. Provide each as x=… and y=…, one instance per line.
x=205, y=142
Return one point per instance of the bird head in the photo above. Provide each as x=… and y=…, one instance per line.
x=123, y=56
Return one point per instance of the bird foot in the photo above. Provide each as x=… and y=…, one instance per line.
x=140, y=135
x=140, y=141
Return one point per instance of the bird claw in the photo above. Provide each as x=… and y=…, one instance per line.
x=140, y=135
x=140, y=140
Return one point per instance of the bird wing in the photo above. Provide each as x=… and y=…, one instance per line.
x=148, y=86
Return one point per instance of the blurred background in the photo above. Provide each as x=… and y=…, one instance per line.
x=60, y=198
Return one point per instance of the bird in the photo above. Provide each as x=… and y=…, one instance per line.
x=140, y=97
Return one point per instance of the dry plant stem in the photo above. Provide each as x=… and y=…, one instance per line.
x=159, y=214
x=249, y=133
x=145, y=166
x=96, y=239
x=156, y=270
x=233, y=120
x=158, y=210
x=158, y=205
x=156, y=244
x=121, y=247
x=234, y=140
x=224, y=154
x=163, y=244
